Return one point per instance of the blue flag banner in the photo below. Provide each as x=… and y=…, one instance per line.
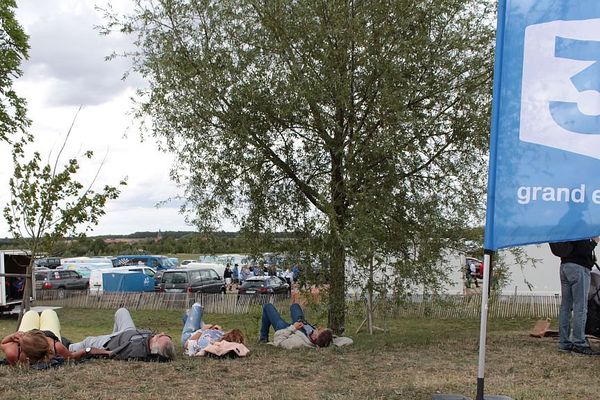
x=544, y=175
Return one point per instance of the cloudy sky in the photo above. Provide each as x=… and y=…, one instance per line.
x=67, y=70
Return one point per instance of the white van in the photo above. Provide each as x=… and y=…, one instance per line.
x=98, y=262
x=96, y=285
x=220, y=268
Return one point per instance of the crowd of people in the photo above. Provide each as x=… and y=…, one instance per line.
x=236, y=275
x=38, y=340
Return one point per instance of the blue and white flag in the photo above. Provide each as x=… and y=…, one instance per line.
x=544, y=175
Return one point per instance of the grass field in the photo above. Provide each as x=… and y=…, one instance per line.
x=414, y=359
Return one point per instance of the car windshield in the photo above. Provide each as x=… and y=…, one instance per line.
x=84, y=271
x=165, y=262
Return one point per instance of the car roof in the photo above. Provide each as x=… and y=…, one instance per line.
x=185, y=269
x=260, y=278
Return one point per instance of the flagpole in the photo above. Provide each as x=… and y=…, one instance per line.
x=487, y=262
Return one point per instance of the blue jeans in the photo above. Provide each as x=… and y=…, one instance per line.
x=271, y=317
x=574, y=289
x=192, y=323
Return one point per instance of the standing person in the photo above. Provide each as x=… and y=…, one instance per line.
x=473, y=272
x=235, y=275
x=575, y=265
x=289, y=276
x=245, y=273
x=126, y=342
x=227, y=275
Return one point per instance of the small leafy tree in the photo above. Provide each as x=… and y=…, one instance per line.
x=48, y=203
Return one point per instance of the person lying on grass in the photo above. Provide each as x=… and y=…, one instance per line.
x=126, y=342
x=197, y=336
x=38, y=340
x=297, y=334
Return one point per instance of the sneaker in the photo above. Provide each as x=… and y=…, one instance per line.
x=565, y=350
x=262, y=341
x=586, y=351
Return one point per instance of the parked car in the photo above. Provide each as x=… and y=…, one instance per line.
x=204, y=280
x=84, y=270
x=219, y=268
x=155, y=262
x=90, y=262
x=48, y=262
x=260, y=286
x=60, y=280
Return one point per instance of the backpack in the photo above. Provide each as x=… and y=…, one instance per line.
x=561, y=249
x=592, y=324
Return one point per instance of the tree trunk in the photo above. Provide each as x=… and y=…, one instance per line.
x=370, y=298
x=337, y=223
x=25, y=304
x=337, y=286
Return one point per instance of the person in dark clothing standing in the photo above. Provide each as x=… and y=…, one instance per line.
x=227, y=275
x=574, y=287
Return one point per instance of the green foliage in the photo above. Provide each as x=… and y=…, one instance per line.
x=359, y=125
x=13, y=50
x=192, y=243
x=48, y=203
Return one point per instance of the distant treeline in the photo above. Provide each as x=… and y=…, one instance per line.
x=170, y=242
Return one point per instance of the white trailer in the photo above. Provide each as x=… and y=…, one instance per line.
x=97, y=281
x=13, y=271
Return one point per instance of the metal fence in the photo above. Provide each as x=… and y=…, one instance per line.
x=416, y=306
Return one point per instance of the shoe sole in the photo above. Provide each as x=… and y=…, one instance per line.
x=577, y=353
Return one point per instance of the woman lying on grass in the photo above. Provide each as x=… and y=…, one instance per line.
x=196, y=336
x=38, y=340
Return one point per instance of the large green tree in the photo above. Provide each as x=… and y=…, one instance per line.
x=13, y=50
x=341, y=118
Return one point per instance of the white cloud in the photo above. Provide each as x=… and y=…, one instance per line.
x=66, y=69
x=67, y=53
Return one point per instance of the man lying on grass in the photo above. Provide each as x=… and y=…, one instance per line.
x=297, y=334
x=126, y=342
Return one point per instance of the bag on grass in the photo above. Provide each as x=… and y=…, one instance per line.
x=592, y=324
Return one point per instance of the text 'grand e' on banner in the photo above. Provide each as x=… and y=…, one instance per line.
x=544, y=175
